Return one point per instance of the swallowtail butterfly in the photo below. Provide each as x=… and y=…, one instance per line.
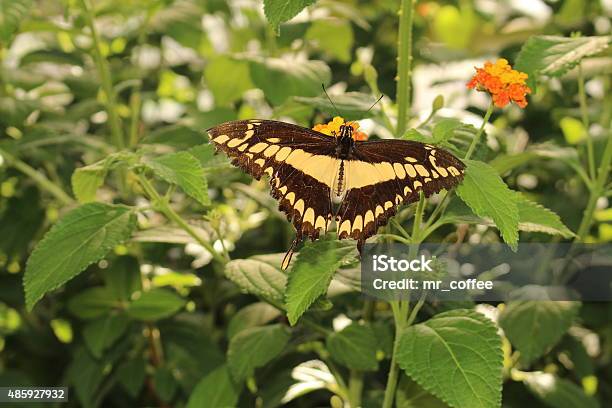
x=319, y=178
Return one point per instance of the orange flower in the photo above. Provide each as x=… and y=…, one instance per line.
x=503, y=83
x=332, y=128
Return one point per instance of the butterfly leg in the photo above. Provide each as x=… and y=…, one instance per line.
x=289, y=254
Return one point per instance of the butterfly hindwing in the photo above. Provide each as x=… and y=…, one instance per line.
x=387, y=173
x=299, y=162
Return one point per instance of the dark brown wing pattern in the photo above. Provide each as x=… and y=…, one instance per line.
x=387, y=173
x=300, y=163
x=304, y=169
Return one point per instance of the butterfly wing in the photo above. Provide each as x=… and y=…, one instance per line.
x=300, y=162
x=386, y=173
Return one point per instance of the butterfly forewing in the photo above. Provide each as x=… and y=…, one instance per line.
x=300, y=163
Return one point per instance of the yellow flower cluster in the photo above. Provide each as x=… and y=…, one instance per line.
x=332, y=128
x=503, y=83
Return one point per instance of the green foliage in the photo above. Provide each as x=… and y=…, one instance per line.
x=488, y=196
x=354, y=347
x=554, y=55
x=556, y=392
x=155, y=304
x=281, y=79
x=535, y=218
x=311, y=274
x=255, y=314
x=255, y=347
x=334, y=37
x=82, y=237
x=185, y=171
x=12, y=12
x=227, y=87
x=279, y=11
x=535, y=326
x=217, y=389
x=258, y=278
x=351, y=105
x=456, y=356
x=100, y=334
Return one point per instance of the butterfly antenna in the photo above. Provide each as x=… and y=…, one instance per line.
x=375, y=103
x=330, y=100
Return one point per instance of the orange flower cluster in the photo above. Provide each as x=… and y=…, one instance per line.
x=503, y=83
x=332, y=128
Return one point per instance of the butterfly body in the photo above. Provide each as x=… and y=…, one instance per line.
x=318, y=178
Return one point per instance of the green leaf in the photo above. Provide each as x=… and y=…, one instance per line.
x=215, y=390
x=184, y=170
x=87, y=180
x=155, y=304
x=557, y=392
x=281, y=79
x=258, y=278
x=457, y=357
x=165, y=383
x=85, y=235
x=279, y=11
x=92, y=303
x=255, y=347
x=205, y=153
x=312, y=273
x=123, y=277
x=12, y=13
x=535, y=326
x=100, y=334
x=131, y=375
x=534, y=217
x=488, y=196
x=334, y=37
x=351, y=105
x=554, y=55
x=411, y=395
x=256, y=314
x=354, y=346
x=227, y=79
x=444, y=130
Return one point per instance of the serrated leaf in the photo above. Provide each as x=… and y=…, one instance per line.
x=312, y=272
x=85, y=235
x=255, y=314
x=205, y=153
x=185, y=171
x=255, y=347
x=155, y=304
x=537, y=218
x=281, y=79
x=354, y=346
x=351, y=105
x=554, y=55
x=488, y=196
x=279, y=11
x=217, y=389
x=12, y=13
x=258, y=278
x=534, y=326
x=457, y=357
x=411, y=395
x=557, y=392
x=100, y=334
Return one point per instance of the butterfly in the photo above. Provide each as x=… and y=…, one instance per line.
x=318, y=178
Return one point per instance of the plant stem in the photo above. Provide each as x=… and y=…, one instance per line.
x=164, y=207
x=585, y=123
x=476, y=139
x=404, y=65
x=105, y=75
x=355, y=388
x=38, y=177
x=399, y=316
x=596, y=191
